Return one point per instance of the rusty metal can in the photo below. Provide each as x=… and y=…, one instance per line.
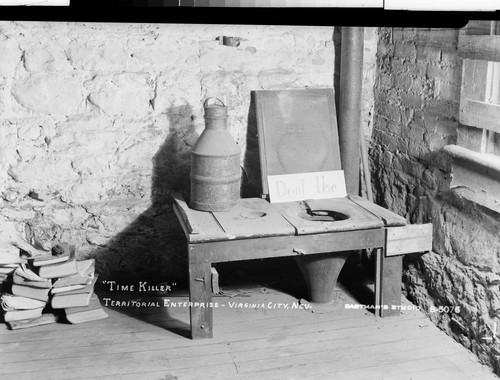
x=215, y=164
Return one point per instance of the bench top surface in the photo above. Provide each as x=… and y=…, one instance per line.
x=255, y=217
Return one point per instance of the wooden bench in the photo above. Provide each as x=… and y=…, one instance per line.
x=244, y=233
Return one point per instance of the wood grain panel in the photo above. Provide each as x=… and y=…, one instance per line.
x=253, y=217
x=388, y=284
x=409, y=239
x=480, y=114
x=197, y=225
x=486, y=48
x=278, y=246
x=200, y=294
x=390, y=218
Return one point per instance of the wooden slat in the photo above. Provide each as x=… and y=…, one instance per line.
x=488, y=142
x=278, y=246
x=343, y=359
x=475, y=176
x=182, y=221
x=474, y=75
x=253, y=217
x=200, y=225
x=240, y=222
x=293, y=335
x=379, y=256
x=206, y=228
x=488, y=165
x=435, y=367
x=200, y=293
x=345, y=338
x=409, y=239
x=388, y=272
x=477, y=27
x=486, y=48
x=215, y=281
x=45, y=319
x=390, y=219
x=185, y=212
x=90, y=366
x=391, y=269
x=469, y=137
x=218, y=371
x=480, y=114
x=476, y=183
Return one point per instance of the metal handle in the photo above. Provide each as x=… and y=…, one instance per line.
x=206, y=101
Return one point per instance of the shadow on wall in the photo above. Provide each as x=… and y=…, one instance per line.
x=251, y=179
x=152, y=247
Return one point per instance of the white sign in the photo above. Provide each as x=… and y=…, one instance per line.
x=302, y=186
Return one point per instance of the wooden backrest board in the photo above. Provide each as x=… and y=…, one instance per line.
x=297, y=132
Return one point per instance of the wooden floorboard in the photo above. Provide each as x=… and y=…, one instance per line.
x=263, y=343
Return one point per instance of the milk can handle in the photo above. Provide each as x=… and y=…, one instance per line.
x=206, y=101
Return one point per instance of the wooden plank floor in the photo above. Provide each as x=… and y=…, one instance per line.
x=249, y=343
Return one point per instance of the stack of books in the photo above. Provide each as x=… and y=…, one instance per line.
x=60, y=263
x=34, y=279
x=17, y=308
x=49, y=281
x=26, y=283
x=9, y=261
x=75, y=294
x=28, y=297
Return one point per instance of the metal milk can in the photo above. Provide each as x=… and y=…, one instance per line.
x=215, y=164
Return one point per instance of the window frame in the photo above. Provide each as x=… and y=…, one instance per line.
x=481, y=73
x=476, y=155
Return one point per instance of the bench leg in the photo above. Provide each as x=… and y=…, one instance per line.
x=388, y=272
x=200, y=296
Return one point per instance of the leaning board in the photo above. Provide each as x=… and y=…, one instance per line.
x=297, y=132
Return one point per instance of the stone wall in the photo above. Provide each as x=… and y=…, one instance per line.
x=417, y=97
x=97, y=120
